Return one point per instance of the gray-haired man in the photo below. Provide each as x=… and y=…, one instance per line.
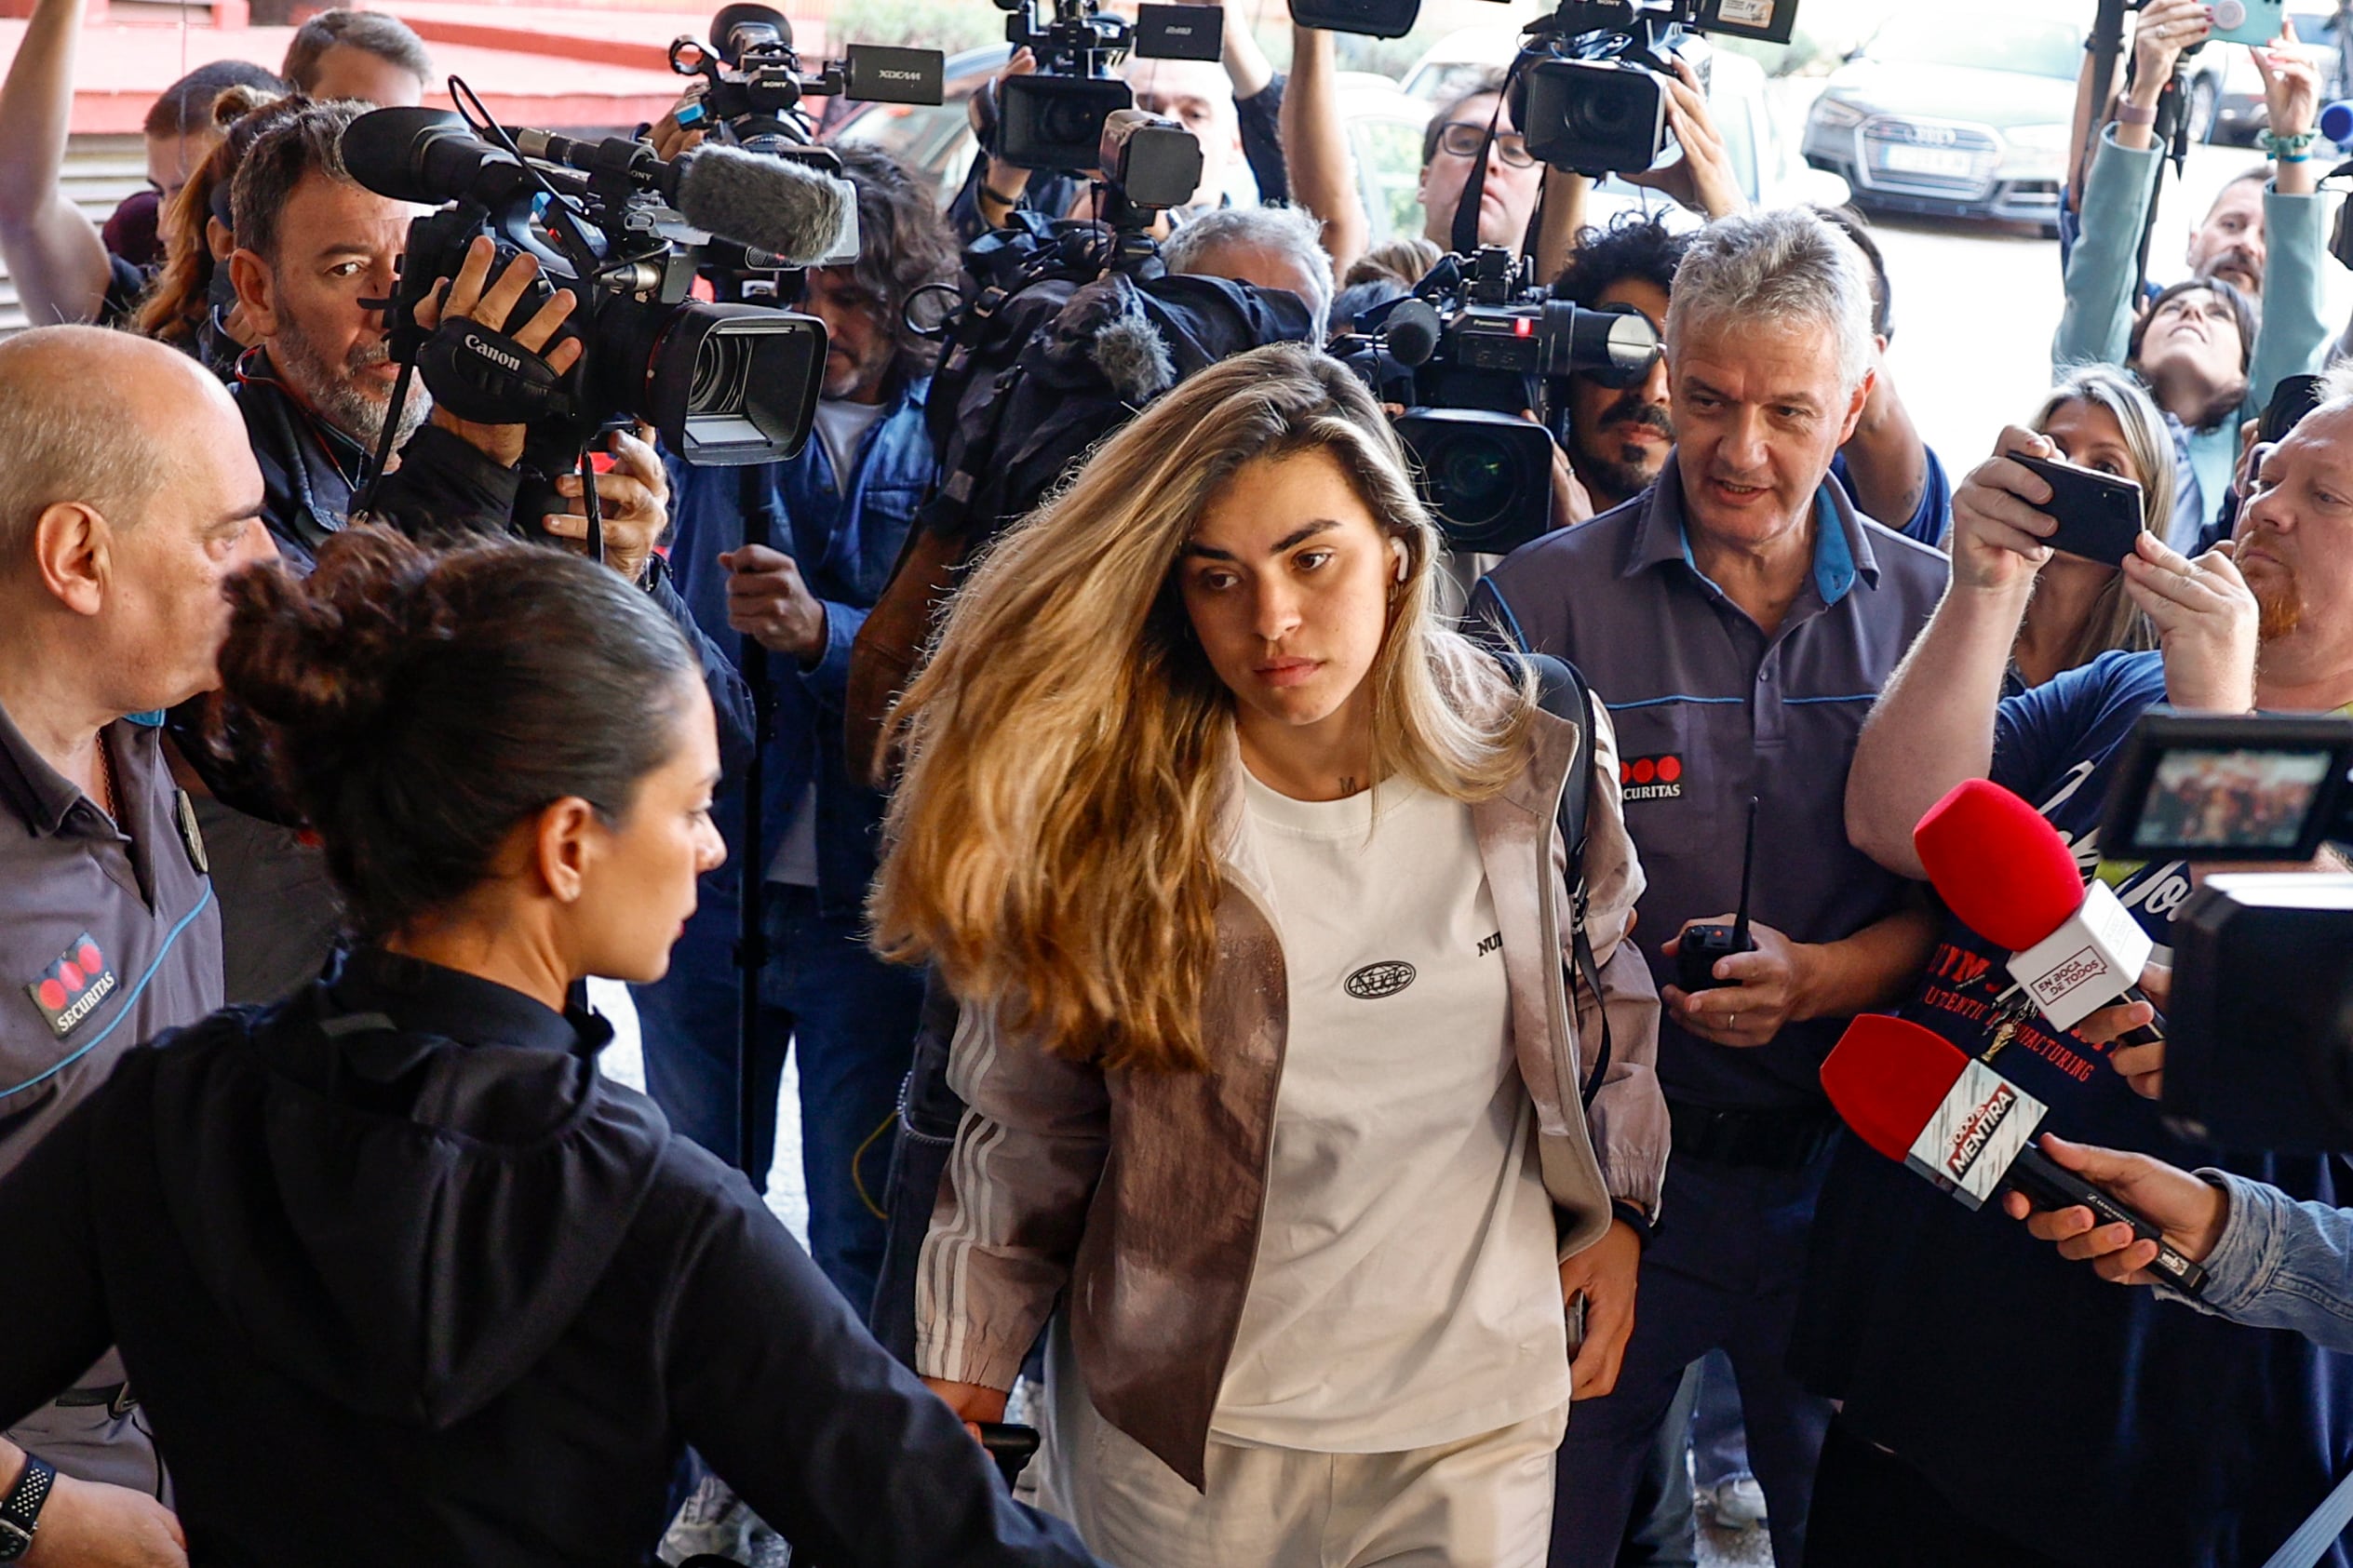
x=1738, y=619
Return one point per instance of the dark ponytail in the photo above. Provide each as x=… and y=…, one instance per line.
x=417, y=705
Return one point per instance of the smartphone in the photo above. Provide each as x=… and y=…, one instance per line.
x=2248, y=21
x=1576, y=1311
x=2099, y=515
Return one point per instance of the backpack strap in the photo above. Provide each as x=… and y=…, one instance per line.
x=1562, y=690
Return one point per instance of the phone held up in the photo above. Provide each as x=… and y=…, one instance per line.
x=2099, y=515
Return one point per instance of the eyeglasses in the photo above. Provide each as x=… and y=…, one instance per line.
x=1465, y=138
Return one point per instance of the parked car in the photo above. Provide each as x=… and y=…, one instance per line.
x=1764, y=160
x=1384, y=130
x=1955, y=111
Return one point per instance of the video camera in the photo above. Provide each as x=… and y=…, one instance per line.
x=754, y=84
x=1465, y=352
x=2259, y=1032
x=1057, y=119
x=722, y=383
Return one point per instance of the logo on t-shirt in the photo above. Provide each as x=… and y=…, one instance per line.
x=71, y=989
x=1375, y=981
x=1651, y=778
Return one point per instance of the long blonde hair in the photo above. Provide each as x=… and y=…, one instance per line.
x=2115, y=621
x=1053, y=841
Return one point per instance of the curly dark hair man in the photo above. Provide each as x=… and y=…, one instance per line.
x=793, y=555
x=1618, y=437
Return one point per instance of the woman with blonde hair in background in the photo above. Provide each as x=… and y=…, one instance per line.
x=2102, y=418
x=1243, y=867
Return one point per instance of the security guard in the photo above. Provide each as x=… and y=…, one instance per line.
x=127, y=498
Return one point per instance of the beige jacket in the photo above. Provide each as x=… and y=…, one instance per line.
x=1135, y=1198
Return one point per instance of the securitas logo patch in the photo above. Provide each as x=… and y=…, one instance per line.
x=71, y=989
x=1651, y=778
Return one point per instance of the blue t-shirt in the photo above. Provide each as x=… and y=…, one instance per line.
x=1930, y=518
x=2087, y=1421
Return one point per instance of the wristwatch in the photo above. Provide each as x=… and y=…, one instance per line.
x=21, y=1512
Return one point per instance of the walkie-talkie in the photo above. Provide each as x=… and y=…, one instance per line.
x=1696, y=954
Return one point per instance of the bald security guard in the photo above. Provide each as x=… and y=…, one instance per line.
x=128, y=495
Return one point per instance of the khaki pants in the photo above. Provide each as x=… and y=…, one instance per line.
x=1482, y=1502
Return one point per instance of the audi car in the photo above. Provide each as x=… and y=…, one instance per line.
x=1955, y=111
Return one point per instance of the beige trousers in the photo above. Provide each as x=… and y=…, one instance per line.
x=1482, y=1502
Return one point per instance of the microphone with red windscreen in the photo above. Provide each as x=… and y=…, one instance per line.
x=1915, y=1097
x=2008, y=877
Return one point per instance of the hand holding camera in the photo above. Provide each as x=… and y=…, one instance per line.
x=1703, y=179
x=633, y=503
x=475, y=296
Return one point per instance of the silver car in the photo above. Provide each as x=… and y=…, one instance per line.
x=1959, y=111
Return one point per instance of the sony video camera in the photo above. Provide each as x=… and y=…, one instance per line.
x=1465, y=354
x=1056, y=118
x=1588, y=90
x=2259, y=1032
x=753, y=84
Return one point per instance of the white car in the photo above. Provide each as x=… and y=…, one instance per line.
x=1764, y=159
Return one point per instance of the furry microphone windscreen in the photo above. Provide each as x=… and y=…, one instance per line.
x=798, y=213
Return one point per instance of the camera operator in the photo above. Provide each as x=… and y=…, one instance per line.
x=1273, y=246
x=2196, y=343
x=1737, y=619
x=1619, y=437
x=1236, y=107
x=367, y=57
x=1985, y=1441
x=125, y=500
x=56, y=256
x=315, y=255
x=835, y=518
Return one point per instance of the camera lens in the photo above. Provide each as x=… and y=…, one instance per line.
x=1474, y=482
x=1607, y=109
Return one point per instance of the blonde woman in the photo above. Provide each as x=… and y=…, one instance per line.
x=2098, y=418
x=1243, y=867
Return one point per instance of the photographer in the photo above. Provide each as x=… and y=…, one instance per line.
x=56, y=256
x=2196, y=343
x=1237, y=107
x=125, y=500
x=794, y=553
x=1272, y=246
x=1934, y=1446
x=1737, y=619
x=316, y=252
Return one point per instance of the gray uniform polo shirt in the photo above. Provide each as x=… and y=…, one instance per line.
x=108, y=937
x=1711, y=711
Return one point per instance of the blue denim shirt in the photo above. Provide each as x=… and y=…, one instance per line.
x=2280, y=1263
x=845, y=539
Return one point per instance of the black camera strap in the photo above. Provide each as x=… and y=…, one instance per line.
x=1464, y=240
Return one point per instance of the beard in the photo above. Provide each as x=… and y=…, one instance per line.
x=2238, y=261
x=2279, y=601
x=337, y=393
x=1618, y=468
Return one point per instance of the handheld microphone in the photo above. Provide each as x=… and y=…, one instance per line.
x=2008, y=877
x=1698, y=947
x=1915, y=1097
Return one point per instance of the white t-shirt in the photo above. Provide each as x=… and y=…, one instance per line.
x=1405, y=1291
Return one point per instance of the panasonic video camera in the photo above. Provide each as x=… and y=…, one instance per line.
x=1056, y=118
x=2259, y=1032
x=1470, y=348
